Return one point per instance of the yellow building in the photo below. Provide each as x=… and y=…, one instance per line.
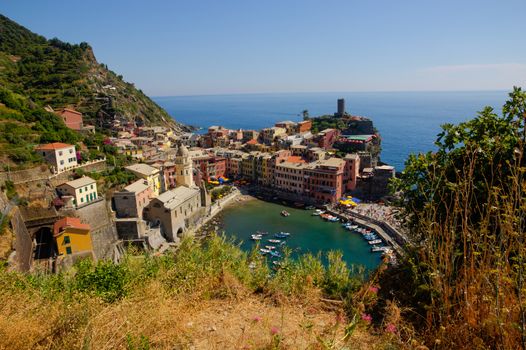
x=148, y=173
x=72, y=237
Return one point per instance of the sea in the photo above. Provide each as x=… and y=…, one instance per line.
x=407, y=121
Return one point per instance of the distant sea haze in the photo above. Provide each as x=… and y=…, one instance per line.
x=407, y=121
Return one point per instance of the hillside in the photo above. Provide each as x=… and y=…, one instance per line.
x=58, y=74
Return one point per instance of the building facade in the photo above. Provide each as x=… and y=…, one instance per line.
x=130, y=202
x=60, y=156
x=82, y=190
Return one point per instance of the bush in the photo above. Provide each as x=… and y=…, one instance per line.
x=105, y=279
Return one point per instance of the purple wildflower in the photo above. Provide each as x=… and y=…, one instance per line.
x=390, y=328
x=367, y=318
x=274, y=330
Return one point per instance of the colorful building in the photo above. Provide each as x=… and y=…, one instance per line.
x=82, y=190
x=72, y=118
x=148, y=173
x=324, y=180
x=130, y=202
x=72, y=237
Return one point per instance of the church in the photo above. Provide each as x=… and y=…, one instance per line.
x=183, y=207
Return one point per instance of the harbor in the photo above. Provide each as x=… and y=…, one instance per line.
x=258, y=222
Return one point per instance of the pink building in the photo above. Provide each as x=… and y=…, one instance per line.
x=351, y=172
x=130, y=202
x=326, y=138
x=71, y=118
x=324, y=180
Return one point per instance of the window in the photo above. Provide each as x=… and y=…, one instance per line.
x=70, y=151
x=59, y=153
x=67, y=240
x=81, y=200
x=68, y=250
x=61, y=162
x=91, y=186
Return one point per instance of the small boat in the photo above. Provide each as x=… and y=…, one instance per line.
x=285, y=213
x=333, y=219
x=255, y=237
x=370, y=237
x=381, y=249
x=284, y=233
x=274, y=254
x=310, y=207
x=274, y=241
x=264, y=251
x=318, y=212
x=375, y=241
x=270, y=247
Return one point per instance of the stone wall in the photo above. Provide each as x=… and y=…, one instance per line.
x=23, y=244
x=103, y=232
x=42, y=173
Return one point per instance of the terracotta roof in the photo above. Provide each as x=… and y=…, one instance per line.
x=68, y=222
x=252, y=142
x=68, y=110
x=295, y=159
x=51, y=146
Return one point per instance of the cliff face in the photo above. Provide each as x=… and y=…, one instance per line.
x=51, y=72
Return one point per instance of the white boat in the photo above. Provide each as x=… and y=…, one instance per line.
x=255, y=237
x=274, y=241
x=381, y=249
x=375, y=241
x=270, y=247
x=285, y=234
x=318, y=212
x=264, y=251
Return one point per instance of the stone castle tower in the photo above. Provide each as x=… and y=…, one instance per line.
x=183, y=168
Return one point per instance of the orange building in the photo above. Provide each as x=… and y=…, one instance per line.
x=72, y=118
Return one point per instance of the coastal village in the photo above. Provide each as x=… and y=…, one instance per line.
x=179, y=181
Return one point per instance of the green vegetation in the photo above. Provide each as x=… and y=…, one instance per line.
x=327, y=122
x=464, y=278
x=220, y=192
x=81, y=302
x=35, y=73
x=9, y=188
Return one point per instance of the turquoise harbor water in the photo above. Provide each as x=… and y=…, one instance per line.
x=308, y=233
x=407, y=121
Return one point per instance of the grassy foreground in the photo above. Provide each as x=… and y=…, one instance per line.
x=204, y=297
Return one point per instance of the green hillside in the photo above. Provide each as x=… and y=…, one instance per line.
x=36, y=72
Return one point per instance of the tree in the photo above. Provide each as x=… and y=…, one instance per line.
x=305, y=114
x=467, y=203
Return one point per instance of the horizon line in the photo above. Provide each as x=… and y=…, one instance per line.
x=328, y=92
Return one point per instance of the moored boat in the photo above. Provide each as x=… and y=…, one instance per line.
x=375, y=241
x=285, y=213
x=274, y=241
x=255, y=237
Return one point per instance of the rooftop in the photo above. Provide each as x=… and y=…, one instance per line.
x=61, y=224
x=80, y=182
x=173, y=198
x=52, y=146
x=136, y=187
x=143, y=169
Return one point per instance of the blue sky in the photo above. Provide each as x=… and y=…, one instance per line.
x=171, y=47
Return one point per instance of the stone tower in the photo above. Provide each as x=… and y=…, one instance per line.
x=183, y=168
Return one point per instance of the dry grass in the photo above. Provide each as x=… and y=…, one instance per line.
x=151, y=316
x=205, y=297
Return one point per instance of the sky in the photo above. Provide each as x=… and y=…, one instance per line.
x=199, y=47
